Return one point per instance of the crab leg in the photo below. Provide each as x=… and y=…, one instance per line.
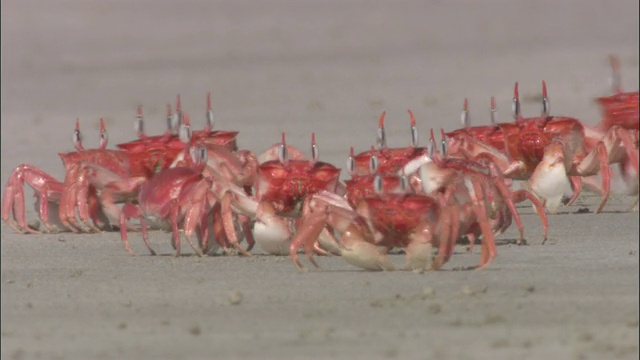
x=130, y=210
x=13, y=203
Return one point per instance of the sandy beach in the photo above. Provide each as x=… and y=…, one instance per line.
x=329, y=67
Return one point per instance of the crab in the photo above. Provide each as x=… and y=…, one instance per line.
x=548, y=151
x=49, y=190
x=281, y=187
x=620, y=114
x=399, y=218
x=180, y=196
x=97, y=179
x=390, y=159
x=437, y=173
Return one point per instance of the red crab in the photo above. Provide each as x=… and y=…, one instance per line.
x=414, y=222
x=180, y=196
x=547, y=150
x=390, y=159
x=97, y=178
x=451, y=177
x=281, y=187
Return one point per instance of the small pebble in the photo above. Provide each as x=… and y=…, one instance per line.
x=195, y=330
x=122, y=325
x=434, y=309
x=235, y=297
x=493, y=319
x=428, y=293
x=467, y=290
x=530, y=288
x=61, y=238
x=585, y=336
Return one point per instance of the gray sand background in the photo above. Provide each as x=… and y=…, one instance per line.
x=300, y=66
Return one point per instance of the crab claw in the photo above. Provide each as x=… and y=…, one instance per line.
x=549, y=181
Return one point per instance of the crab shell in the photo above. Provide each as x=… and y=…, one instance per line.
x=360, y=187
x=391, y=160
x=397, y=216
x=286, y=184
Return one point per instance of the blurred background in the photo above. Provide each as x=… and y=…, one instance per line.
x=297, y=66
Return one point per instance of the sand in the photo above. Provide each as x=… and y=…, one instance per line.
x=331, y=68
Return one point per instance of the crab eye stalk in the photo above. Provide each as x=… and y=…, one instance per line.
x=515, y=105
x=381, y=138
x=177, y=118
x=169, y=119
x=545, y=100
x=493, y=111
x=283, y=153
x=202, y=154
x=464, y=117
x=139, y=123
x=210, y=121
x=77, y=136
x=431, y=148
x=414, y=130
x=614, y=79
x=315, y=152
x=104, y=136
x=404, y=182
x=185, y=131
x=374, y=164
x=444, y=144
x=351, y=163
x=377, y=184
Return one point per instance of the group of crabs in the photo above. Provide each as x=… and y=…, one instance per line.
x=419, y=199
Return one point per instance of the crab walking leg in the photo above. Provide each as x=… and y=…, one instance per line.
x=425, y=235
x=194, y=199
x=620, y=147
x=117, y=190
x=209, y=208
x=420, y=246
x=229, y=224
x=522, y=195
x=489, y=250
x=82, y=204
x=451, y=219
x=517, y=197
x=307, y=235
x=245, y=223
x=219, y=233
x=130, y=210
x=588, y=165
x=13, y=203
x=328, y=209
x=68, y=202
x=576, y=186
